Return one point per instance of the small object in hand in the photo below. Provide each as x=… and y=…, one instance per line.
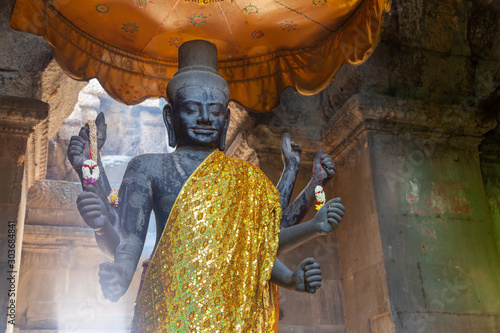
x=88, y=181
x=320, y=197
x=90, y=172
x=90, y=169
x=92, y=140
x=113, y=197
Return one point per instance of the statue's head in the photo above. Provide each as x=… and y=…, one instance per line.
x=198, y=96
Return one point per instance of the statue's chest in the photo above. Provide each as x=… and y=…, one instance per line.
x=166, y=190
x=169, y=184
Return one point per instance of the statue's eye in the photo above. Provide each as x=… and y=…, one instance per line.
x=192, y=108
x=215, y=109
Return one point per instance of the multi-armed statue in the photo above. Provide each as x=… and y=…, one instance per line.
x=218, y=218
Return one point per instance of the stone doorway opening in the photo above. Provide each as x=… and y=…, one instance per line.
x=59, y=285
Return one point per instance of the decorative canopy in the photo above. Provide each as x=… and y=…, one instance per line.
x=264, y=46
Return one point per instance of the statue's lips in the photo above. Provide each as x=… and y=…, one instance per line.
x=204, y=130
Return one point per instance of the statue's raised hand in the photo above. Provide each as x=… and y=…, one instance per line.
x=323, y=168
x=92, y=208
x=290, y=151
x=77, y=152
x=328, y=218
x=307, y=276
x=78, y=149
x=115, y=279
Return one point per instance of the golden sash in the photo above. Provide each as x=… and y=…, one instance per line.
x=211, y=269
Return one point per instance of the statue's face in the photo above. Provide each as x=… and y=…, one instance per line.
x=199, y=115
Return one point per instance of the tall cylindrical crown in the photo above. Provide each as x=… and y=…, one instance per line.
x=198, y=54
x=197, y=67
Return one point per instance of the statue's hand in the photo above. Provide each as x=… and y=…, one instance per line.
x=102, y=130
x=91, y=208
x=77, y=153
x=115, y=279
x=323, y=167
x=78, y=149
x=328, y=218
x=307, y=276
x=290, y=151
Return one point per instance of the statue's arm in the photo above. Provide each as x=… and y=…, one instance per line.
x=323, y=171
x=296, y=211
x=307, y=276
x=326, y=220
x=290, y=153
x=135, y=205
x=124, y=241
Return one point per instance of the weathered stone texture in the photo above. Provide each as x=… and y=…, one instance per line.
x=22, y=58
x=54, y=203
x=436, y=230
x=28, y=70
x=361, y=255
x=17, y=118
x=440, y=51
x=490, y=165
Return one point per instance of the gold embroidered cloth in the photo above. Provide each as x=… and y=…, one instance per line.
x=211, y=268
x=264, y=46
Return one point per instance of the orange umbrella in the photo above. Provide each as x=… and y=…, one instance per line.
x=264, y=46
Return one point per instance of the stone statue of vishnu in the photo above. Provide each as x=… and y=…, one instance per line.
x=215, y=266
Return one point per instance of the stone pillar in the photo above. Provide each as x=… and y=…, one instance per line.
x=364, y=279
x=18, y=117
x=416, y=247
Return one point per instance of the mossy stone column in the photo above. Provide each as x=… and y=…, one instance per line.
x=417, y=247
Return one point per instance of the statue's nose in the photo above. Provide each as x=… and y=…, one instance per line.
x=204, y=117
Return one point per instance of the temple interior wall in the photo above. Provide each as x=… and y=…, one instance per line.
x=418, y=250
x=490, y=169
x=436, y=225
x=363, y=275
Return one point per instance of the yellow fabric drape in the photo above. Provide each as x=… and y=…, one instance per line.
x=264, y=46
x=211, y=268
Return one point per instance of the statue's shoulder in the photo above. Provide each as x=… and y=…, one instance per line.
x=148, y=163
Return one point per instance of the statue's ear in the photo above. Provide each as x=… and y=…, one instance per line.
x=102, y=127
x=222, y=142
x=167, y=118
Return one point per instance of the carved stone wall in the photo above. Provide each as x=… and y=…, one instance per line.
x=17, y=118
x=35, y=97
x=489, y=151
